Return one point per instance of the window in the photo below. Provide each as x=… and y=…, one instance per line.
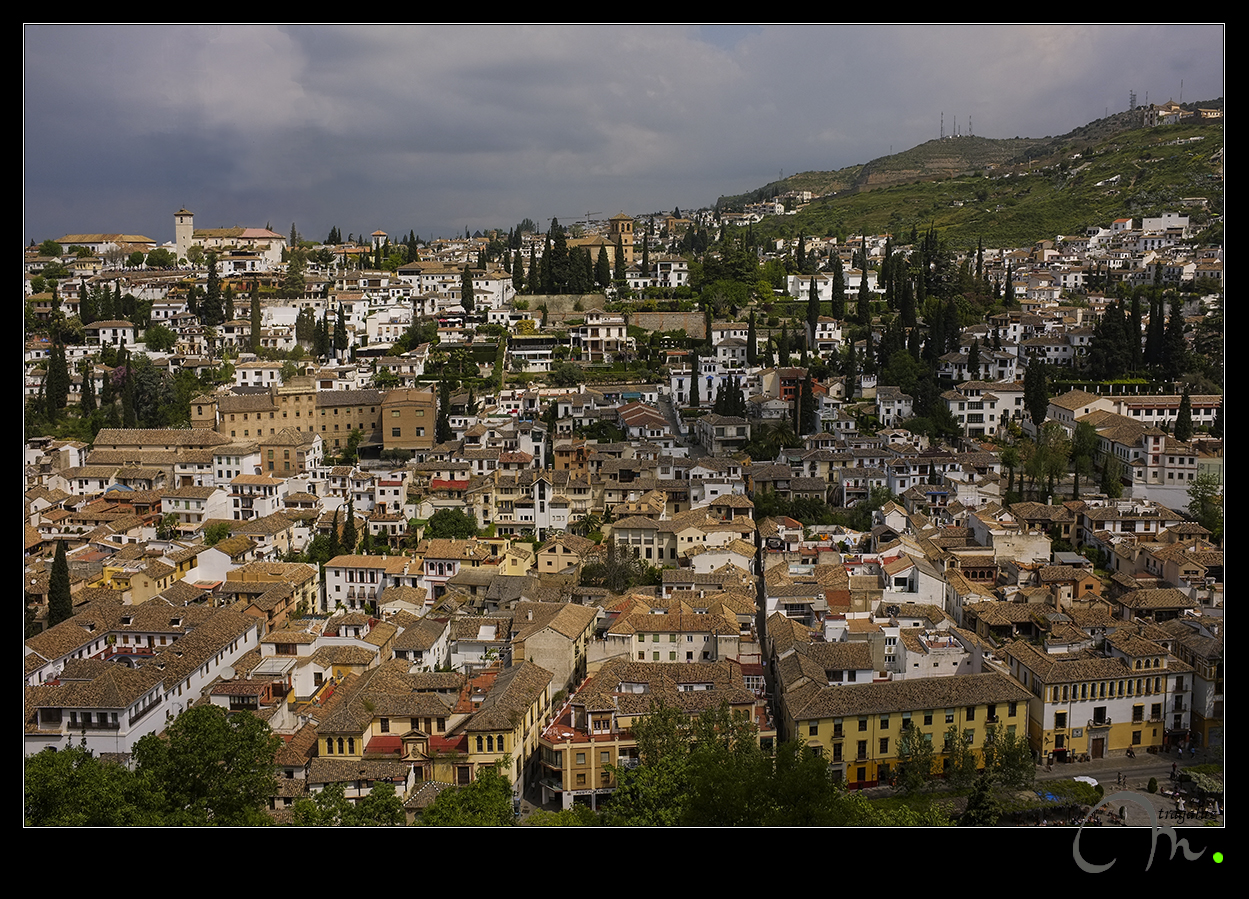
x=863, y=724
x=928, y=719
x=1138, y=714
x=580, y=758
x=836, y=752
x=884, y=745
x=813, y=729
x=862, y=749
x=949, y=716
x=971, y=713
x=836, y=727
x=384, y=725
x=1060, y=720
x=1136, y=738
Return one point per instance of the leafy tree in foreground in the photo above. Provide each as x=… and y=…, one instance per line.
x=213, y=767
x=72, y=788
x=486, y=802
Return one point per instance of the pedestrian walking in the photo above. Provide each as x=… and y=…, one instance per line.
x=1174, y=768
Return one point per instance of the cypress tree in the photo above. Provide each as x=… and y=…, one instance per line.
x=602, y=269
x=813, y=309
x=752, y=350
x=620, y=259
x=839, y=288
x=782, y=346
x=1009, y=299
x=646, y=255
x=906, y=303
x=340, y=330
x=695, y=383
x=1184, y=421
x=228, y=303
x=349, y=528
x=335, y=545
x=210, y=309
x=255, y=318
x=466, y=289
x=809, y=412
x=56, y=392
x=533, y=282
x=442, y=425
x=1134, y=333
x=129, y=415
x=86, y=304
x=518, y=272
x=88, y=389
x=1036, y=393
x=1174, y=350
x=864, y=308
x=60, y=602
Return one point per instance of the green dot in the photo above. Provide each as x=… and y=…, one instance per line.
x=1218, y=858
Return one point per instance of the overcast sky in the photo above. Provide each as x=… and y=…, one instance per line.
x=434, y=129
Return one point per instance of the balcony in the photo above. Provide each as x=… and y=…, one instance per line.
x=75, y=726
x=1102, y=722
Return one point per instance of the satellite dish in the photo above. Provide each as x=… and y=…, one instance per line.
x=228, y=673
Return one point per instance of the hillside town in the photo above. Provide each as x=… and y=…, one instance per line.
x=430, y=509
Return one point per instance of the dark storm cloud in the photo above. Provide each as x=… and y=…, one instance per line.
x=434, y=128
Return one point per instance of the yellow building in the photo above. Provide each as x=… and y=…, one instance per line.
x=858, y=728
x=1133, y=697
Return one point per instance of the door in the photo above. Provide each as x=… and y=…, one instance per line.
x=1099, y=747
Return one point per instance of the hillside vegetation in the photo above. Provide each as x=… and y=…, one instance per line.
x=1013, y=191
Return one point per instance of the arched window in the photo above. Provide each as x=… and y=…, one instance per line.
x=480, y=742
x=489, y=743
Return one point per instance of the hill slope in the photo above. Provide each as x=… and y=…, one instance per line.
x=1012, y=191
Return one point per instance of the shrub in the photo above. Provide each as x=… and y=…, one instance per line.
x=1153, y=785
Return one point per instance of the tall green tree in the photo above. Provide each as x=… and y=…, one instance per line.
x=466, y=289
x=442, y=425
x=60, y=602
x=211, y=312
x=1184, y=419
x=621, y=274
x=256, y=320
x=1083, y=450
x=350, y=538
x=813, y=309
x=88, y=404
x=340, y=331
x=1036, y=396
x=839, y=288
x=56, y=390
x=1112, y=477
x=752, y=345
